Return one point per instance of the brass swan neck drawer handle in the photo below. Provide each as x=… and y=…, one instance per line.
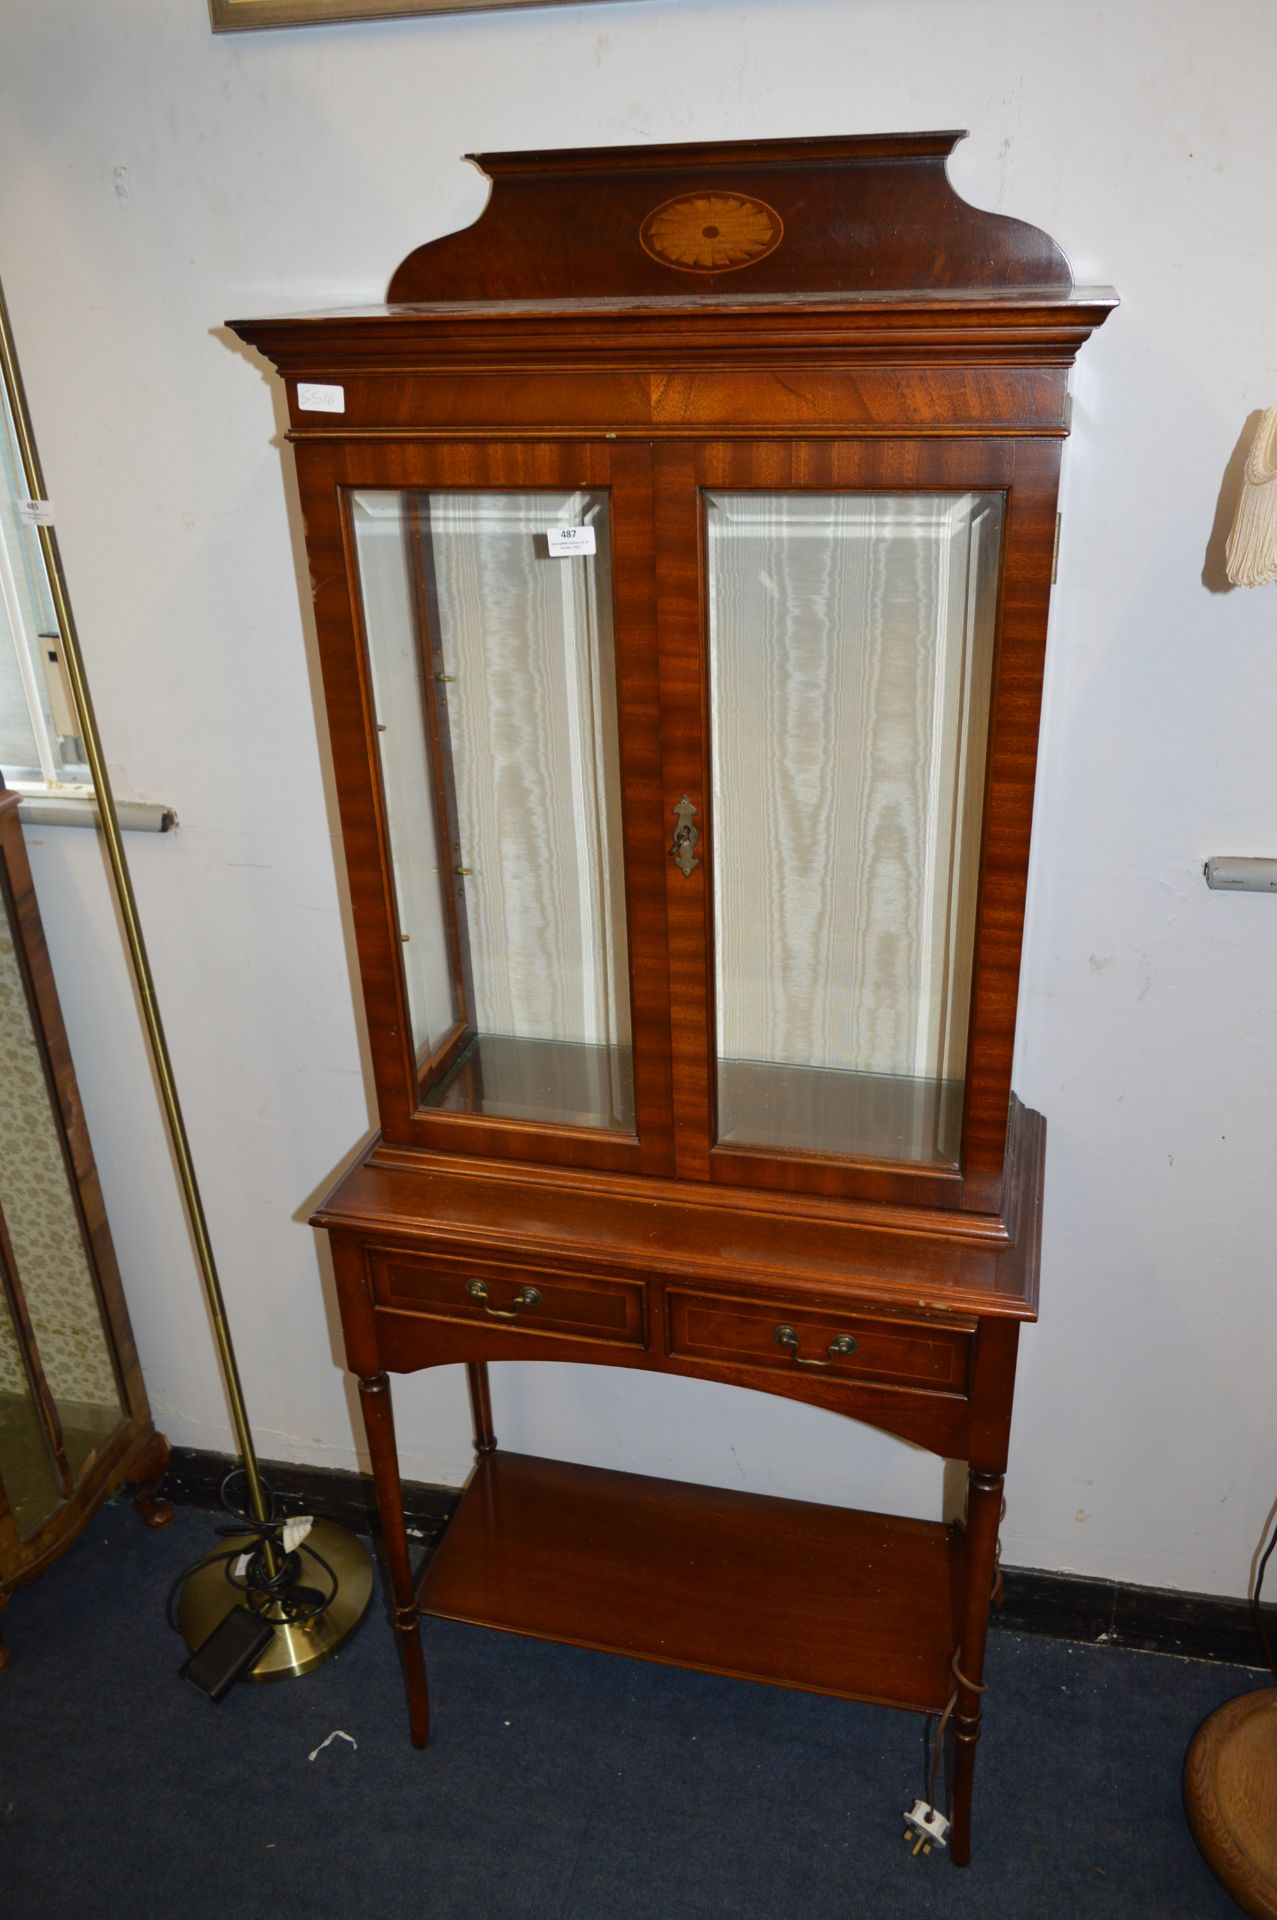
x=787, y=1336
x=525, y=1297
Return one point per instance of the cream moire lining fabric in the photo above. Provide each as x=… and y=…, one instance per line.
x=851, y=638
x=524, y=669
x=417, y=852
x=531, y=706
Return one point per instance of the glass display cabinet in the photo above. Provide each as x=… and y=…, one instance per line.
x=681, y=538
x=74, y=1420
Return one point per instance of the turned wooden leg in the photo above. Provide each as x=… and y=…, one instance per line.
x=984, y=1513
x=145, y=1478
x=379, y=1424
x=485, y=1439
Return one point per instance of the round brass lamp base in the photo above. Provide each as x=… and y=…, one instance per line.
x=1230, y=1792
x=208, y=1597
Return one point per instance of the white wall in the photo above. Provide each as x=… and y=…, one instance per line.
x=158, y=180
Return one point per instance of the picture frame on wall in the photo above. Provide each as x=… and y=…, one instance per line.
x=233, y=16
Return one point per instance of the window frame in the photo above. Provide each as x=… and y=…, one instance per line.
x=46, y=695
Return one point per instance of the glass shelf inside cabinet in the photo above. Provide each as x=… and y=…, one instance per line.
x=851, y=646
x=493, y=679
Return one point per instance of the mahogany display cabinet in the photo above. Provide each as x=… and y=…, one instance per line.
x=681, y=537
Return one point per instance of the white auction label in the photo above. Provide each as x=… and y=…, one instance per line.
x=320, y=399
x=567, y=540
x=35, y=513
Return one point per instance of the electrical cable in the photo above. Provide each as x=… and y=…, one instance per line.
x=1256, y=1609
x=932, y=1755
x=937, y=1753
x=259, y=1587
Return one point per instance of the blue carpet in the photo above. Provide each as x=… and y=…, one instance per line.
x=560, y=1785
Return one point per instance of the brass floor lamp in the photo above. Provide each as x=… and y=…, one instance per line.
x=314, y=1589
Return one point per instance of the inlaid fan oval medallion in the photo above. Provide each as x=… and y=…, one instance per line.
x=711, y=232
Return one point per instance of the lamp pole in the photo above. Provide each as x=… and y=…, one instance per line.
x=299, y=1646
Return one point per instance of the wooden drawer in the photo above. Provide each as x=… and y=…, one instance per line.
x=890, y=1352
x=511, y=1299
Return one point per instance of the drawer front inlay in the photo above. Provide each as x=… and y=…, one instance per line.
x=511, y=1299
x=779, y=1336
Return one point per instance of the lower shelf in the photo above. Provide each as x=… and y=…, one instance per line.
x=860, y=1605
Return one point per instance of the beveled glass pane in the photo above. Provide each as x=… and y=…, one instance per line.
x=851, y=648
x=47, y=1266
x=494, y=683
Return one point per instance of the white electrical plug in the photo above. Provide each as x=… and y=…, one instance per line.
x=295, y=1531
x=925, y=1827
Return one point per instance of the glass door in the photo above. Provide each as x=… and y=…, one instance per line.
x=500, y=626
x=493, y=668
x=844, y=631
x=850, y=645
